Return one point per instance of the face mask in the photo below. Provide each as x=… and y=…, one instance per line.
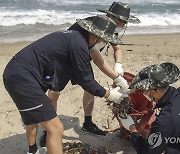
x=99, y=46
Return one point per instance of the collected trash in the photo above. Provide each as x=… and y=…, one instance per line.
x=81, y=148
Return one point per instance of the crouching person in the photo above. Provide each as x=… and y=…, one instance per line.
x=154, y=82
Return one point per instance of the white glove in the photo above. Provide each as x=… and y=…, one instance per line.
x=116, y=96
x=118, y=69
x=127, y=122
x=122, y=83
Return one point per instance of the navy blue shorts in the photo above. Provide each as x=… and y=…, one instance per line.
x=31, y=101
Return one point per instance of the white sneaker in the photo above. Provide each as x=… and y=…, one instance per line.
x=43, y=150
x=40, y=151
x=37, y=152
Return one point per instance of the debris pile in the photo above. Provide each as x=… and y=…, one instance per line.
x=80, y=148
x=120, y=109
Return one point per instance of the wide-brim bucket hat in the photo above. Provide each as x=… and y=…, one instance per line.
x=121, y=11
x=101, y=26
x=155, y=76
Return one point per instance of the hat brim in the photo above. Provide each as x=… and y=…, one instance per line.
x=171, y=71
x=90, y=27
x=172, y=74
x=131, y=19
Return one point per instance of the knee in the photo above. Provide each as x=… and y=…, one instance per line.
x=60, y=127
x=60, y=130
x=57, y=129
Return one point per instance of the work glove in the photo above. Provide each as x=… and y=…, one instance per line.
x=116, y=96
x=126, y=123
x=122, y=83
x=118, y=69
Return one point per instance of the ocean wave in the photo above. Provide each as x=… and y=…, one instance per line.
x=54, y=17
x=145, y=2
x=75, y=2
x=152, y=19
x=13, y=18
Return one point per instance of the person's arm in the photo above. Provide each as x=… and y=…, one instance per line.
x=106, y=69
x=81, y=66
x=102, y=64
x=136, y=139
x=81, y=69
x=155, y=143
x=117, y=53
x=118, y=59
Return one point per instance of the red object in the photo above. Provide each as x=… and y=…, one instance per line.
x=141, y=110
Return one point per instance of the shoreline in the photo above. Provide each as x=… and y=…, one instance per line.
x=32, y=34
x=129, y=40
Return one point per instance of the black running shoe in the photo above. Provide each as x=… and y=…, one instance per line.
x=92, y=128
x=43, y=139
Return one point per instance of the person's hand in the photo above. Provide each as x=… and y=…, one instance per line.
x=116, y=96
x=126, y=123
x=118, y=69
x=121, y=82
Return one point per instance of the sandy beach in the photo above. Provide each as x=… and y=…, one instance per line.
x=139, y=51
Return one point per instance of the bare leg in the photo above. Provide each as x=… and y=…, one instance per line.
x=53, y=96
x=31, y=131
x=88, y=103
x=54, y=129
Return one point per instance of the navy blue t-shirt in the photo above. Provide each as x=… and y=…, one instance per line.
x=55, y=59
x=165, y=130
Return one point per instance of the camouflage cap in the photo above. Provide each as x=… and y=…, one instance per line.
x=155, y=76
x=121, y=11
x=101, y=26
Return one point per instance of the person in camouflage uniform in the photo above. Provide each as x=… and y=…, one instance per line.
x=154, y=81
